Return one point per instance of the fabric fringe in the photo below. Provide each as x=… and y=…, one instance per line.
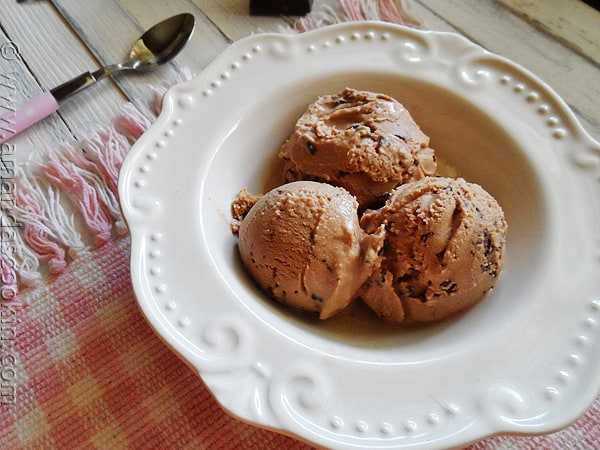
x=33, y=211
x=395, y=11
x=80, y=177
x=18, y=262
x=66, y=176
x=40, y=237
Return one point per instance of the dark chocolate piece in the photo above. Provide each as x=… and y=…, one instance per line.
x=280, y=7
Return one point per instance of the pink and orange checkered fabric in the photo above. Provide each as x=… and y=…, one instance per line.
x=81, y=368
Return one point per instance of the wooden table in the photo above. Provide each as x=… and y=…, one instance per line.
x=43, y=44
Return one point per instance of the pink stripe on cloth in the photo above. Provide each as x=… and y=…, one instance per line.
x=63, y=174
x=101, y=153
x=90, y=373
x=390, y=12
x=352, y=10
x=8, y=276
x=36, y=237
x=132, y=123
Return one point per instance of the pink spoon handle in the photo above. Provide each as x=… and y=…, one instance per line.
x=30, y=112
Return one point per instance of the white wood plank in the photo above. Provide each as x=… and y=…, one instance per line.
x=234, y=19
x=17, y=83
x=109, y=28
x=572, y=22
x=50, y=53
x=574, y=77
x=207, y=42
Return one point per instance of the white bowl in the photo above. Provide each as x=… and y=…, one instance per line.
x=525, y=360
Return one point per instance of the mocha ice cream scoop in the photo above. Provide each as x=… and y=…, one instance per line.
x=444, y=249
x=366, y=142
x=302, y=244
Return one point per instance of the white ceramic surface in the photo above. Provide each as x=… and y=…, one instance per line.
x=524, y=360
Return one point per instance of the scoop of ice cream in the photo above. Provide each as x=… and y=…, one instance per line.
x=444, y=249
x=365, y=142
x=302, y=243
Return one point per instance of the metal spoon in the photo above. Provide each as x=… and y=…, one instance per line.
x=156, y=46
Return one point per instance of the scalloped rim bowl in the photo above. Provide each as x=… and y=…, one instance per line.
x=525, y=360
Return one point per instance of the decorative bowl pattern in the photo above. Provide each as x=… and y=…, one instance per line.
x=525, y=360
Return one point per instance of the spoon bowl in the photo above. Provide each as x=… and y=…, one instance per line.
x=158, y=45
x=163, y=41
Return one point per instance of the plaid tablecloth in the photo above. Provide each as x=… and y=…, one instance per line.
x=81, y=368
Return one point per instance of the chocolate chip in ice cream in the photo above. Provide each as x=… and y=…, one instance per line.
x=425, y=246
x=444, y=248
x=365, y=142
x=302, y=243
